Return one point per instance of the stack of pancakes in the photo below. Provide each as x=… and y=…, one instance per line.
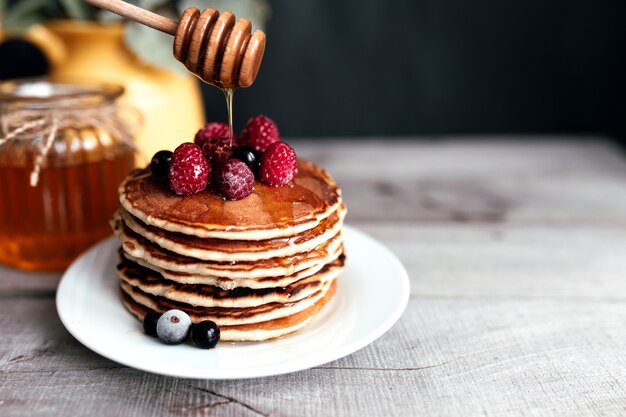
x=260, y=267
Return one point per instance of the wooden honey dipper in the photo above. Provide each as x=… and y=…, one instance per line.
x=215, y=47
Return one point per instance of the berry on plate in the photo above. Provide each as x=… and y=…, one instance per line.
x=189, y=170
x=205, y=334
x=173, y=327
x=213, y=130
x=234, y=180
x=150, y=323
x=259, y=133
x=278, y=165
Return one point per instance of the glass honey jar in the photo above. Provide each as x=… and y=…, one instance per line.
x=64, y=149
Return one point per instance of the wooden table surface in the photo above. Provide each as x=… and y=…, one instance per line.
x=516, y=251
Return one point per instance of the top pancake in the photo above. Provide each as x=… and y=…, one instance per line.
x=269, y=212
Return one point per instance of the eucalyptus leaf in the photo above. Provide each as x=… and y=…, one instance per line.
x=107, y=16
x=257, y=11
x=76, y=9
x=151, y=4
x=152, y=46
x=25, y=13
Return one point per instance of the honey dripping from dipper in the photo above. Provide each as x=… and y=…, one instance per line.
x=219, y=49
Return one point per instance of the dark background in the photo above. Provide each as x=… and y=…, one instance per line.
x=429, y=67
x=441, y=66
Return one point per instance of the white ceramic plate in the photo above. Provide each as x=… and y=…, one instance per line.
x=363, y=309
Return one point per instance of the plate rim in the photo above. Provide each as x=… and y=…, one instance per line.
x=303, y=363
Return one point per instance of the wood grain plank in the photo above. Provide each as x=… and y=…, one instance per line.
x=450, y=157
x=509, y=260
x=482, y=356
x=537, y=182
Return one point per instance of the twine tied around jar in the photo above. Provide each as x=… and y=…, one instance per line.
x=40, y=126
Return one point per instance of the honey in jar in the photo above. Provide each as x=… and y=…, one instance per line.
x=64, y=149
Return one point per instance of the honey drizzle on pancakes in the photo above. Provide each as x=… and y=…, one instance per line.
x=269, y=212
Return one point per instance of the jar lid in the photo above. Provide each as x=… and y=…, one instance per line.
x=44, y=92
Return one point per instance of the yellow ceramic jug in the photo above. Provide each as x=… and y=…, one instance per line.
x=171, y=103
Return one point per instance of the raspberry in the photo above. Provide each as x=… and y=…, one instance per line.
x=259, y=133
x=217, y=149
x=278, y=164
x=189, y=170
x=213, y=130
x=234, y=180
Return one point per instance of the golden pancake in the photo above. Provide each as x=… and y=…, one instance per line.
x=148, y=254
x=268, y=213
x=225, y=315
x=230, y=283
x=221, y=250
x=256, y=331
x=151, y=282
